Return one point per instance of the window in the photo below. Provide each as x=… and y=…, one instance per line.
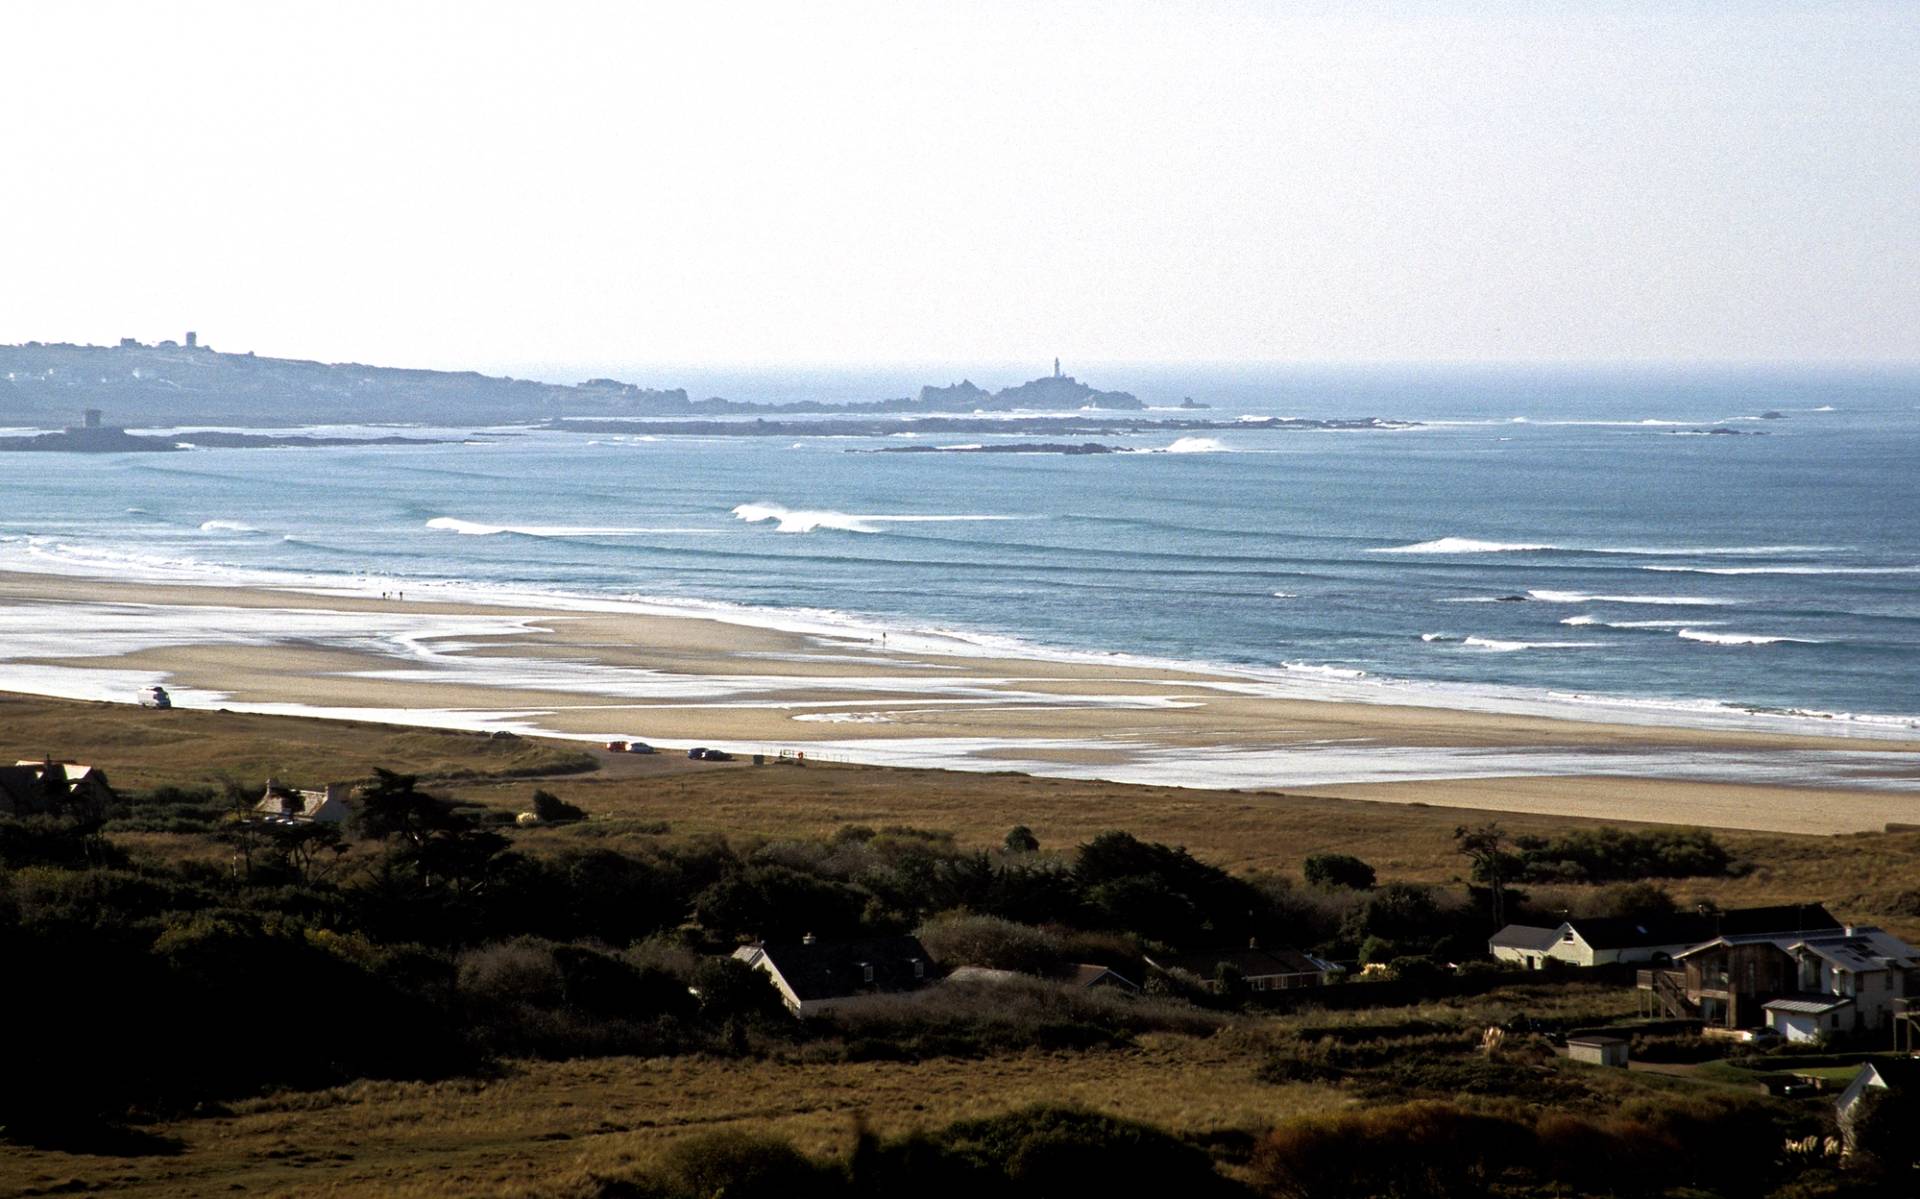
x=866, y=971
x=919, y=968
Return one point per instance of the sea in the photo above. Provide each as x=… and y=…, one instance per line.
x=1688, y=546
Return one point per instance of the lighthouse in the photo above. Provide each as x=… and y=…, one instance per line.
x=1056, y=368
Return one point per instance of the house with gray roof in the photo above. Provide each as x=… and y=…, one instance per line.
x=1604, y=940
x=1277, y=969
x=815, y=977
x=1527, y=946
x=1803, y=985
x=292, y=805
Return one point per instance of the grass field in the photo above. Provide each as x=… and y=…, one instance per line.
x=540, y=1123
x=1865, y=877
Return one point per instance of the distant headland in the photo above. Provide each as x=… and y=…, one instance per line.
x=188, y=382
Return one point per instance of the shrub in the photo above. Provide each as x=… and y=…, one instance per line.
x=960, y=939
x=1613, y=855
x=1055, y=1152
x=1420, y=1150
x=1338, y=870
x=740, y=1165
x=779, y=903
x=551, y=809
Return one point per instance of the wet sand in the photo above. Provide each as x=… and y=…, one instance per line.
x=681, y=680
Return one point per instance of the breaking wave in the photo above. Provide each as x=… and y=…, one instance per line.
x=1787, y=570
x=806, y=520
x=1474, y=545
x=1463, y=545
x=1639, y=624
x=226, y=526
x=1693, y=634
x=1196, y=445
x=1325, y=672
x=470, y=528
x=1581, y=597
x=1508, y=647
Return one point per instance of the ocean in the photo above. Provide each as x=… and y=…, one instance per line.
x=1698, y=547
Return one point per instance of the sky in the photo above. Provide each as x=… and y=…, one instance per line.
x=547, y=189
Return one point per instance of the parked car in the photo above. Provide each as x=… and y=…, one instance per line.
x=639, y=747
x=718, y=755
x=697, y=752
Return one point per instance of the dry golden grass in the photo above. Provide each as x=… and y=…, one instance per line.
x=141, y=748
x=546, y=1121
x=1861, y=875
x=542, y=1123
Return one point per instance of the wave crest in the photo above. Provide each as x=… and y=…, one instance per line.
x=1639, y=624
x=1581, y=597
x=1509, y=647
x=473, y=528
x=1463, y=545
x=1693, y=634
x=806, y=520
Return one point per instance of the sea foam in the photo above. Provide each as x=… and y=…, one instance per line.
x=470, y=528
x=1508, y=647
x=1464, y=545
x=807, y=520
x=1694, y=634
x=1581, y=597
x=1639, y=624
x=1787, y=570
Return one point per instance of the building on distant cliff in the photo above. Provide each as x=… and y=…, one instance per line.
x=92, y=418
x=1056, y=367
x=193, y=339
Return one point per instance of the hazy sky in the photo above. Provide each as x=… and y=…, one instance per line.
x=526, y=187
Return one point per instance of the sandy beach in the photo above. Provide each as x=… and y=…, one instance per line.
x=603, y=671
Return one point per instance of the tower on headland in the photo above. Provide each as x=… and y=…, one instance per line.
x=193, y=339
x=1056, y=368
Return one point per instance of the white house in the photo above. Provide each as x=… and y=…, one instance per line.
x=1847, y=980
x=1604, y=940
x=1876, y=1075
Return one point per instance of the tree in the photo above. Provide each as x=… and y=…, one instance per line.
x=440, y=843
x=1338, y=870
x=1020, y=839
x=308, y=850
x=1492, y=864
x=551, y=809
x=1883, y=1129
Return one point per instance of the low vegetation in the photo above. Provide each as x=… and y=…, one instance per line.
x=192, y=964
